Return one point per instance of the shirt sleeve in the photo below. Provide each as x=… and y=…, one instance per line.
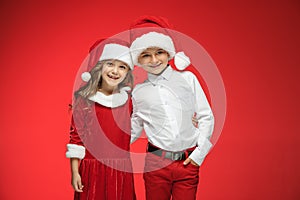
x=205, y=122
x=75, y=147
x=136, y=123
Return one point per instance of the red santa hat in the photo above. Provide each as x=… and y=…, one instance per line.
x=155, y=31
x=104, y=49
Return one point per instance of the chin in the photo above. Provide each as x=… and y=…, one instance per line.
x=158, y=71
x=114, y=84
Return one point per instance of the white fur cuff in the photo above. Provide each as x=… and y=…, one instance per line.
x=75, y=151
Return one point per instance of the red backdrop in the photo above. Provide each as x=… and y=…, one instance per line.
x=255, y=45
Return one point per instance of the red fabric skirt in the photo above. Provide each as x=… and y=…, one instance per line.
x=105, y=180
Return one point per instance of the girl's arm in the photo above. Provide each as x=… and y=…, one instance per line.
x=76, y=151
x=76, y=179
x=75, y=148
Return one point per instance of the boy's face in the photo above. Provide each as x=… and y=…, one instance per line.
x=154, y=60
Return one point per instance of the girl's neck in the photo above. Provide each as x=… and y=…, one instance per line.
x=107, y=90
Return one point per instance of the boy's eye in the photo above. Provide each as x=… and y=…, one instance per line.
x=109, y=63
x=122, y=66
x=160, y=52
x=145, y=55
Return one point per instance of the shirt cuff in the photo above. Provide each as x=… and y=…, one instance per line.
x=75, y=151
x=201, y=151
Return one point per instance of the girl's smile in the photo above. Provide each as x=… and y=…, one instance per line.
x=113, y=73
x=113, y=77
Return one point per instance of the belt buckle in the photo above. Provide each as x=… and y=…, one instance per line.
x=176, y=155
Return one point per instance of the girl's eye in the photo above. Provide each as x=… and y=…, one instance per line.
x=109, y=63
x=123, y=67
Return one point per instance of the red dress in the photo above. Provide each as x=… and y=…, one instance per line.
x=105, y=170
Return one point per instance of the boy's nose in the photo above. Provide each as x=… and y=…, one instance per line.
x=154, y=59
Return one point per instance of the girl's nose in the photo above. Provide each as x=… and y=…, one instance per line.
x=115, y=69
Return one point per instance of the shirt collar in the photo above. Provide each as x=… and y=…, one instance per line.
x=166, y=74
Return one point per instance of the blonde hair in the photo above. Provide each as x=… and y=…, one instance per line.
x=94, y=83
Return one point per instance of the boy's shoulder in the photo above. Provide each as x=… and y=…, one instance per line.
x=187, y=75
x=138, y=86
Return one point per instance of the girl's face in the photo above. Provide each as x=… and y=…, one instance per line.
x=113, y=73
x=154, y=60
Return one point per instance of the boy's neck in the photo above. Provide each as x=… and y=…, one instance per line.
x=161, y=71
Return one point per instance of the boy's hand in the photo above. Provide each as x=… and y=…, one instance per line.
x=190, y=161
x=195, y=120
x=76, y=182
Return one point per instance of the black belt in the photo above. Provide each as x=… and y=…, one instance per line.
x=178, y=155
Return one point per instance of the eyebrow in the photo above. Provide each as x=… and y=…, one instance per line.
x=148, y=51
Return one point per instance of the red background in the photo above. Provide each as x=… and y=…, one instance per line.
x=255, y=45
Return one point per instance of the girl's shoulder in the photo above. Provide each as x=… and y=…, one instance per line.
x=79, y=102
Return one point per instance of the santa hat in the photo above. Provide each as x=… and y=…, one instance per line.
x=154, y=31
x=104, y=49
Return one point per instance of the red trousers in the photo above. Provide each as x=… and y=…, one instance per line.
x=165, y=178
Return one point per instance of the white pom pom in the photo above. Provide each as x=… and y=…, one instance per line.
x=86, y=76
x=181, y=60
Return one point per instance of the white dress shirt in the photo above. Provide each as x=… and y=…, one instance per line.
x=164, y=106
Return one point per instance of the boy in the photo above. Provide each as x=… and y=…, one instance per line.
x=163, y=106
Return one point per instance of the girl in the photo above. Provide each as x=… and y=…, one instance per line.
x=100, y=126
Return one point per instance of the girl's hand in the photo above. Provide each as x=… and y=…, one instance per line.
x=76, y=182
x=195, y=120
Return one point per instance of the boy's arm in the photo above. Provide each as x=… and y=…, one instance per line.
x=136, y=123
x=205, y=123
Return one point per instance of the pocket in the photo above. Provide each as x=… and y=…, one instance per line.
x=194, y=166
